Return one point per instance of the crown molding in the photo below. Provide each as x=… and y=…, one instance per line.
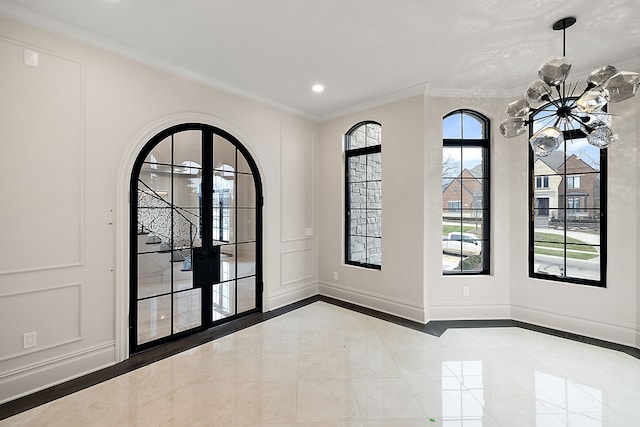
x=76, y=34
x=394, y=96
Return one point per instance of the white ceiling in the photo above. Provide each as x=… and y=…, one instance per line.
x=363, y=51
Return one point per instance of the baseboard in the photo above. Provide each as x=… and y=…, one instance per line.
x=638, y=338
x=290, y=296
x=627, y=335
x=29, y=379
x=396, y=307
x=444, y=311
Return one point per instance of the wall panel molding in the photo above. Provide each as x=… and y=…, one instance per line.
x=43, y=225
x=302, y=260
x=394, y=306
x=33, y=309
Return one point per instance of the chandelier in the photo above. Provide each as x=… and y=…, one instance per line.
x=560, y=112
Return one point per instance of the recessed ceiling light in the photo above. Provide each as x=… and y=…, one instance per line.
x=317, y=88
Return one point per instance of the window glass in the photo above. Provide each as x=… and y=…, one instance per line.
x=363, y=195
x=465, y=193
x=568, y=213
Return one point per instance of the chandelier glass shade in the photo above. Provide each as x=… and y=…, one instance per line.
x=563, y=112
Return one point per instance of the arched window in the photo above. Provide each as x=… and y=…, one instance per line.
x=465, y=193
x=567, y=208
x=363, y=195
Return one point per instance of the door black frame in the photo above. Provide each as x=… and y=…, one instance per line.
x=208, y=132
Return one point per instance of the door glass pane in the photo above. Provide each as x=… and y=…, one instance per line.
x=227, y=262
x=246, y=259
x=246, y=226
x=160, y=154
x=187, y=182
x=182, y=271
x=187, y=149
x=224, y=154
x=245, y=191
x=187, y=310
x=246, y=294
x=154, y=318
x=223, y=299
x=243, y=165
x=154, y=210
x=221, y=224
x=154, y=274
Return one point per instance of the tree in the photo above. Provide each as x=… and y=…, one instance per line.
x=450, y=170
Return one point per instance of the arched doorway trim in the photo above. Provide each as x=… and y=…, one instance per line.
x=122, y=214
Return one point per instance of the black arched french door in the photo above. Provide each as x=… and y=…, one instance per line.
x=196, y=234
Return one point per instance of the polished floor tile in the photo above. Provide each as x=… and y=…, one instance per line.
x=325, y=366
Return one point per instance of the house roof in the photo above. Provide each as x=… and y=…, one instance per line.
x=554, y=160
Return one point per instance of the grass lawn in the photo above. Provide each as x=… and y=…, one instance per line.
x=551, y=240
x=574, y=255
x=446, y=229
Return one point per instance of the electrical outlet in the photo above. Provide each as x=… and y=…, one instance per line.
x=335, y=275
x=465, y=291
x=29, y=340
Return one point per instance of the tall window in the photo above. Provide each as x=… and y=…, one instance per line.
x=465, y=193
x=567, y=233
x=363, y=195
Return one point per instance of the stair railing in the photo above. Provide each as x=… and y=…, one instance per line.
x=159, y=217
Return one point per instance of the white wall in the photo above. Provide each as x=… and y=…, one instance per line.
x=76, y=124
x=488, y=294
x=612, y=313
x=399, y=286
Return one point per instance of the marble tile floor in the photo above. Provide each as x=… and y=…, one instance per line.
x=323, y=365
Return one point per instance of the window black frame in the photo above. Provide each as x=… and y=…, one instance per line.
x=485, y=144
x=569, y=135
x=349, y=153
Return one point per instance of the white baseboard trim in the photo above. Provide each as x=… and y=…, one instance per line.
x=295, y=294
x=454, y=311
x=396, y=307
x=590, y=327
x=29, y=379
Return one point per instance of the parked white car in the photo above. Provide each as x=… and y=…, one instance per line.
x=461, y=244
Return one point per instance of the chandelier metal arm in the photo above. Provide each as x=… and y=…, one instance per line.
x=579, y=116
